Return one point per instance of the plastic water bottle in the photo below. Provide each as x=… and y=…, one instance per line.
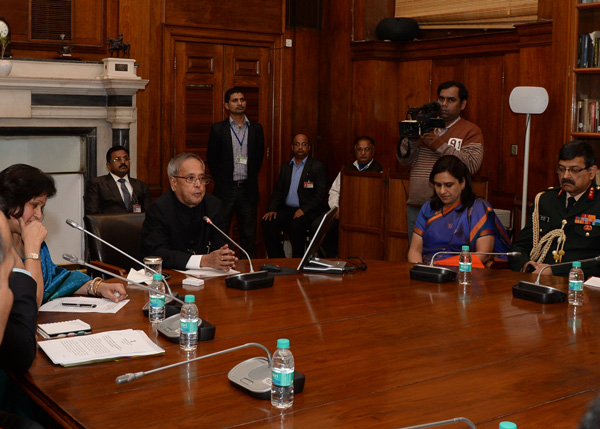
x=157, y=301
x=464, y=266
x=576, y=284
x=282, y=376
x=188, y=336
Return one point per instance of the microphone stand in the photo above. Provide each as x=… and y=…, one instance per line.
x=130, y=376
x=244, y=281
x=75, y=225
x=170, y=327
x=431, y=273
x=444, y=422
x=540, y=293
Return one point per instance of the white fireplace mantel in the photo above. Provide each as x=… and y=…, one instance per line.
x=47, y=93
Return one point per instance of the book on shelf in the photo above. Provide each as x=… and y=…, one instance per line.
x=588, y=50
x=588, y=115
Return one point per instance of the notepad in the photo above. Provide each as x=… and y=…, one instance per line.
x=64, y=329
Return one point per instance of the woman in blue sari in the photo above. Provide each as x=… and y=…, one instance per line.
x=25, y=190
x=455, y=216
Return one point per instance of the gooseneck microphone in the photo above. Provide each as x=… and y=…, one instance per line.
x=443, y=423
x=431, y=273
x=540, y=293
x=129, y=377
x=75, y=225
x=210, y=222
x=244, y=281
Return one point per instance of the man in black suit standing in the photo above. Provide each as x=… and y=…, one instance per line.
x=235, y=155
x=116, y=192
x=296, y=201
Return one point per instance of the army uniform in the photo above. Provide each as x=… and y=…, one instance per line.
x=581, y=228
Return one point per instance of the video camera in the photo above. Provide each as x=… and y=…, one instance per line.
x=422, y=120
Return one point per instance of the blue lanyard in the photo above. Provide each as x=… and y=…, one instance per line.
x=241, y=142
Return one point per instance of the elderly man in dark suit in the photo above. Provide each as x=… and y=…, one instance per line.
x=116, y=192
x=235, y=154
x=296, y=201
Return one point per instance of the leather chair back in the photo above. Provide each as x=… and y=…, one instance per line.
x=123, y=231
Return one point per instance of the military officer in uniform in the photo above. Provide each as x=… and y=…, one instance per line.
x=565, y=223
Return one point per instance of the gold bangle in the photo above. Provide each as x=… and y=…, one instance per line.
x=97, y=282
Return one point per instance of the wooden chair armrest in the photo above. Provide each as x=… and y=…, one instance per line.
x=108, y=267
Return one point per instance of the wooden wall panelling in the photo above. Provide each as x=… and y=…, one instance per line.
x=396, y=233
x=362, y=214
x=251, y=16
x=502, y=196
x=335, y=85
x=89, y=17
x=305, y=84
x=139, y=21
x=376, y=110
x=483, y=79
x=413, y=90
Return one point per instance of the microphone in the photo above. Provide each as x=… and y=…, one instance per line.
x=246, y=281
x=251, y=376
x=75, y=225
x=443, y=423
x=76, y=260
x=169, y=327
x=431, y=273
x=540, y=293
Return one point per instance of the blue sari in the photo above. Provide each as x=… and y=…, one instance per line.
x=449, y=231
x=59, y=281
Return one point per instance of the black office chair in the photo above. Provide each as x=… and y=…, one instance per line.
x=123, y=231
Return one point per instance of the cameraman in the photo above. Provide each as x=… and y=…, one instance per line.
x=460, y=138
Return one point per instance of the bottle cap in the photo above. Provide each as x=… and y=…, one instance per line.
x=577, y=264
x=283, y=343
x=465, y=248
x=507, y=425
x=190, y=298
x=156, y=276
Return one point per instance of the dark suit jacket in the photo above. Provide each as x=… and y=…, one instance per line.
x=311, y=199
x=173, y=230
x=102, y=196
x=219, y=156
x=19, y=345
x=583, y=237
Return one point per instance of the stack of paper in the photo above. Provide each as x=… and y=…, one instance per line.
x=62, y=329
x=105, y=346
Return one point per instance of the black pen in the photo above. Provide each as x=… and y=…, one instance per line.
x=75, y=304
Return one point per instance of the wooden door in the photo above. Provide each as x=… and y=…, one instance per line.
x=204, y=72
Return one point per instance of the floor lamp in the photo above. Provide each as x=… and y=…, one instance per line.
x=529, y=100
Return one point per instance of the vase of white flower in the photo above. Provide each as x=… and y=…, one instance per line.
x=5, y=65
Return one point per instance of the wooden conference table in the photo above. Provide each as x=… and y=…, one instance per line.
x=377, y=349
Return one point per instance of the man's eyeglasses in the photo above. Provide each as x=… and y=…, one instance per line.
x=561, y=169
x=119, y=159
x=363, y=149
x=303, y=144
x=191, y=180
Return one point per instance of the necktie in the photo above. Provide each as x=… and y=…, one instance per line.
x=126, y=194
x=570, y=203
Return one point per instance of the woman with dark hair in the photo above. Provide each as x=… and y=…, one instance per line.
x=455, y=216
x=25, y=190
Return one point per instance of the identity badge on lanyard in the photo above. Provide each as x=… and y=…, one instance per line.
x=240, y=159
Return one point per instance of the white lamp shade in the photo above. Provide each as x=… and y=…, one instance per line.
x=528, y=99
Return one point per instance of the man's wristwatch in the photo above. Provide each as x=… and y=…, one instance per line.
x=35, y=256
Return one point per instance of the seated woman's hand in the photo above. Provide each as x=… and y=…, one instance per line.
x=33, y=235
x=114, y=291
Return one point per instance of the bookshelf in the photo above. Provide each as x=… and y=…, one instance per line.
x=585, y=76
